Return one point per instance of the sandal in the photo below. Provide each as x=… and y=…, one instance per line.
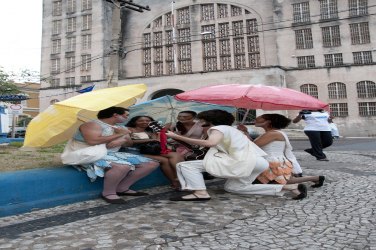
x=126, y=193
x=320, y=182
x=113, y=201
x=197, y=198
x=303, y=192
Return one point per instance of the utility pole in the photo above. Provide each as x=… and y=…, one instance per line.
x=116, y=40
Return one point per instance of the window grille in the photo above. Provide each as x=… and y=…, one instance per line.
x=87, y=5
x=168, y=19
x=251, y=25
x=366, y=89
x=358, y=7
x=362, y=57
x=56, y=46
x=222, y=11
x=207, y=12
x=56, y=8
x=157, y=38
x=55, y=66
x=331, y=36
x=147, y=40
x=71, y=44
x=86, y=42
x=337, y=90
x=333, y=59
x=225, y=54
x=306, y=62
x=359, y=33
x=253, y=44
x=183, y=16
x=170, y=65
x=239, y=61
x=237, y=28
x=169, y=38
x=224, y=30
x=210, y=55
x=236, y=11
x=85, y=62
x=254, y=60
x=339, y=109
x=71, y=24
x=184, y=57
x=85, y=78
x=71, y=6
x=208, y=29
x=184, y=35
x=86, y=22
x=367, y=108
x=158, y=61
x=301, y=12
x=70, y=64
x=328, y=9
x=69, y=81
x=56, y=27
x=303, y=39
x=310, y=89
x=55, y=82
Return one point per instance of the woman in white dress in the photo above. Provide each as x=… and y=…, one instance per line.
x=243, y=163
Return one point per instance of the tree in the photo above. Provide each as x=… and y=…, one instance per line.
x=7, y=86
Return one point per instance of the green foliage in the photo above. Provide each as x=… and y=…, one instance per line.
x=7, y=86
x=16, y=144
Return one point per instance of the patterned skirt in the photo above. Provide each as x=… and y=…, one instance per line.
x=279, y=171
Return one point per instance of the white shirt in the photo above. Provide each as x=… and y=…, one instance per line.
x=317, y=121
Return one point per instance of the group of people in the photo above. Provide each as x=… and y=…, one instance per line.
x=265, y=166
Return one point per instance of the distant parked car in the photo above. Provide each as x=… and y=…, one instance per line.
x=20, y=133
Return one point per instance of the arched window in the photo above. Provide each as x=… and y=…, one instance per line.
x=228, y=35
x=366, y=89
x=309, y=89
x=337, y=90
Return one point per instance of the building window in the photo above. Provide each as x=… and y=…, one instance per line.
x=170, y=64
x=55, y=66
x=56, y=27
x=367, y=108
x=358, y=7
x=328, y=9
x=239, y=53
x=251, y=25
x=331, y=36
x=337, y=90
x=69, y=81
x=224, y=30
x=71, y=44
x=184, y=35
x=184, y=58
x=301, y=12
x=71, y=24
x=168, y=19
x=56, y=46
x=306, y=62
x=158, y=22
x=222, y=11
x=366, y=89
x=147, y=61
x=86, y=22
x=55, y=82
x=210, y=54
x=237, y=28
x=333, y=59
x=225, y=54
x=183, y=16
x=236, y=11
x=303, y=39
x=207, y=12
x=86, y=42
x=363, y=57
x=71, y=6
x=85, y=79
x=56, y=8
x=157, y=38
x=70, y=64
x=339, y=109
x=85, y=62
x=359, y=33
x=158, y=61
x=309, y=89
x=87, y=5
x=147, y=40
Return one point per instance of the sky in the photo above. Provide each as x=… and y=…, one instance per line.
x=21, y=33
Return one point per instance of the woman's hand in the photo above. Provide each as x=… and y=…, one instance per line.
x=116, y=143
x=172, y=135
x=242, y=128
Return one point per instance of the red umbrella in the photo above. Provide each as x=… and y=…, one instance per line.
x=253, y=97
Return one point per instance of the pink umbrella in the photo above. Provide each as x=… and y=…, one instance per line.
x=253, y=97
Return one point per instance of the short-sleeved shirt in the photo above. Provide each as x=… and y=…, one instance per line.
x=317, y=121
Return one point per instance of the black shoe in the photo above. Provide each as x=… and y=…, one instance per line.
x=113, y=201
x=320, y=183
x=309, y=151
x=303, y=192
x=298, y=175
x=207, y=176
x=323, y=159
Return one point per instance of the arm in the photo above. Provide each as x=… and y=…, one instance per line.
x=244, y=129
x=92, y=133
x=214, y=138
x=297, y=118
x=267, y=138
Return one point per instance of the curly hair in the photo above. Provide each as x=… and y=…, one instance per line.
x=109, y=112
x=217, y=117
x=276, y=120
x=132, y=122
x=179, y=125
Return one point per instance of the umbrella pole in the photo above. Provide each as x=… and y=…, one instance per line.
x=245, y=116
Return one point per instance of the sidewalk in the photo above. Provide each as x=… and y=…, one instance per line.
x=340, y=215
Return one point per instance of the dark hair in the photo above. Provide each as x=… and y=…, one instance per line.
x=276, y=120
x=179, y=125
x=217, y=117
x=132, y=122
x=109, y=112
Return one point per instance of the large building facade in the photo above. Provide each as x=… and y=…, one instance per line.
x=324, y=48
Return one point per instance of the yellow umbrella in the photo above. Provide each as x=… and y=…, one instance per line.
x=59, y=121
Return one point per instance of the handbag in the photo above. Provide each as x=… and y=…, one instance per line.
x=150, y=148
x=77, y=153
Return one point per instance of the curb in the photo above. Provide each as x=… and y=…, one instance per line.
x=28, y=190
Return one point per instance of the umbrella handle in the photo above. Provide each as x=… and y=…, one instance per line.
x=245, y=116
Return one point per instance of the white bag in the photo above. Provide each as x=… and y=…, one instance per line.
x=220, y=164
x=76, y=153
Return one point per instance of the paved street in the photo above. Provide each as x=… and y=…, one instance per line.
x=339, y=215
